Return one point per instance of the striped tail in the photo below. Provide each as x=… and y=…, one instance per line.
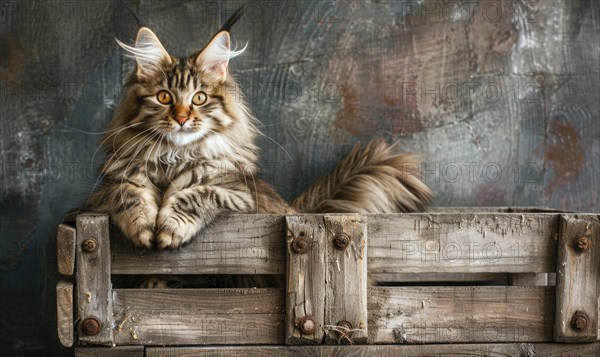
x=374, y=179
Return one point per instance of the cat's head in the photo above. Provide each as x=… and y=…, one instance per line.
x=183, y=101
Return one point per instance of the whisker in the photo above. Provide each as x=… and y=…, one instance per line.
x=148, y=158
x=108, y=137
x=100, y=132
x=114, y=159
x=278, y=144
x=134, y=156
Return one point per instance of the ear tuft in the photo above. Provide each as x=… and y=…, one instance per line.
x=216, y=55
x=148, y=52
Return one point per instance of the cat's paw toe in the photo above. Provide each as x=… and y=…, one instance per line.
x=143, y=239
x=167, y=239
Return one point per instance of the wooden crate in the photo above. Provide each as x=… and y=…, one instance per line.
x=487, y=282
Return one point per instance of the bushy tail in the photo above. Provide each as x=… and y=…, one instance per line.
x=375, y=179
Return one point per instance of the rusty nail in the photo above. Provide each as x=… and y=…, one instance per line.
x=582, y=244
x=307, y=324
x=540, y=79
x=579, y=321
x=91, y=326
x=300, y=245
x=89, y=245
x=341, y=241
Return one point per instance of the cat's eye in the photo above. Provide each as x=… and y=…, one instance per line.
x=164, y=97
x=199, y=98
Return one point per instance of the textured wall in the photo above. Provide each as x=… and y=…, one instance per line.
x=501, y=96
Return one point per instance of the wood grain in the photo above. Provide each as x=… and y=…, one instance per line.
x=64, y=313
x=577, y=278
x=120, y=351
x=346, y=281
x=448, y=350
x=235, y=244
x=460, y=314
x=94, y=289
x=198, y=316
x=408, y=243
x=305, y=294
x=65, y=249
x=462, y=243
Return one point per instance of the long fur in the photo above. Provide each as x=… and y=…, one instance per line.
x=174, y=165
x=375, y=179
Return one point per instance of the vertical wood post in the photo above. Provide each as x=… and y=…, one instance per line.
x=64, y=312
x=326, y=297
x=346, y=280
x=65, y=249
x=94, y=290
x=577, y=279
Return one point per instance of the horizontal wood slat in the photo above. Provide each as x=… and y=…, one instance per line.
x=398, y=243
x=461, y=314
x=198, y=316
x=236, y=244
x=121, y=351
x=472, y=350
x=462, y=243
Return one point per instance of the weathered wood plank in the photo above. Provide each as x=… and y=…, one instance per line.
x=462, y=243
x=306, y=269
x=345, y=319
x=460, y=314
x=492, y=209
x=198, y=316
x=577, y=279
x=121, y=351
x=64, y=313
x=449, y=350
x=235, y=244
x=408, y=243
x=94, y=290
x=65, y=249
x=438, y=277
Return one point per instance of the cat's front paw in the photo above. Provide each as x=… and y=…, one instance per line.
x=172, y=233
x=143, y=239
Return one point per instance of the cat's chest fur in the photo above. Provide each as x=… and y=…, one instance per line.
x=180, y=173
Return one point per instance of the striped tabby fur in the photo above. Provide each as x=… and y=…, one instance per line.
x=181, y=151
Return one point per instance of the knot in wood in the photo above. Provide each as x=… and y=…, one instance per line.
x=579, y=321
x=89, y=245
x=307, y=324
x=341, y=241
x=582, y=244
x=300, y=245
x=91, y=326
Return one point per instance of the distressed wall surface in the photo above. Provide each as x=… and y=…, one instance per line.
x=502, y=97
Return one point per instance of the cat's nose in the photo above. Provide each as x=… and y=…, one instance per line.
x=182, y=119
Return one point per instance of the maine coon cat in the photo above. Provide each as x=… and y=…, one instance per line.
x=181, y=150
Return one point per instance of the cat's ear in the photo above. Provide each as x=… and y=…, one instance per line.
x=214, y=58
x=148, y=52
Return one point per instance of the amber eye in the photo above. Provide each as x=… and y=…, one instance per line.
x=164, y=97
x=199, y=98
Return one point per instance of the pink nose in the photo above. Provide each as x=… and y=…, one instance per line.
x=182, y=120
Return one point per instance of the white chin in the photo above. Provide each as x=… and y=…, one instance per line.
x=181, y=138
